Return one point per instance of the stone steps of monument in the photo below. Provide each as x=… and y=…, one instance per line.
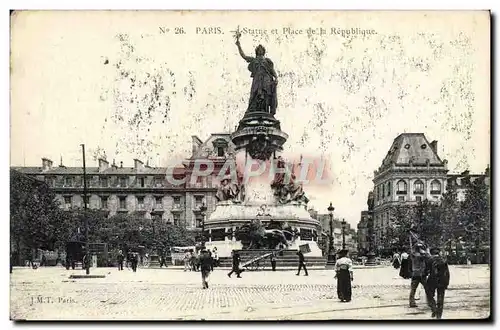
x=285, y=258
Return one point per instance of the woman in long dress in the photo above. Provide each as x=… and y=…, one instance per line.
x=343, y=268
x=405, y=270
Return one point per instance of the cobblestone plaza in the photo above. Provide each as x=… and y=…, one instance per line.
x=172, y=294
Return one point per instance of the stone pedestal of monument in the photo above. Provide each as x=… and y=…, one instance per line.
x=230, y=216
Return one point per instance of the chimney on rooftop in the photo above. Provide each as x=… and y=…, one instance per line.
x=114, y=165
x=138, y=165
x=103, y=164
x=121, y=164
x=434, y=146
x=46, y=164
x=196, y=143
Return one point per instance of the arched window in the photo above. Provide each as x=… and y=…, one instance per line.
x=418, y=187
x=389, y=188
x=383, y=191
x=401, y=187
x=378, y=192
x=435, y=187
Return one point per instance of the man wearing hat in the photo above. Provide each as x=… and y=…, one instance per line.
x=438, y=280
x=205, y=267
x=418, y=262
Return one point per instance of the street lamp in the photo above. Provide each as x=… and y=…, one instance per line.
x=87, y=247
x=331, y=249
x=203, y=210
x=343, y=234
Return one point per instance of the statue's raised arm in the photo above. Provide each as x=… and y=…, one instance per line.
x=246, y=58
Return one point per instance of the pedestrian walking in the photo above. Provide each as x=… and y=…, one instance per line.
x=187, y=261
x=405, y=269
x=301, y=263
x=120, y=258
x=216, y=257
x=344, y=276
x=134, y=261
x=192, y=261
x=206, y=264
x=418, y=262
x=163, y=259
x=211, y=260
x=396, y=260
x=438, y=280
x=273, y=261
x=236, y=265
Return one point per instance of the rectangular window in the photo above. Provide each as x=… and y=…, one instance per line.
x=123, y=203
x=198, y=201
x=199, y=221
x=104, y=182
x=67, y=201
x=220, y=151
x=140, y=202
x=177, y=202
x=104, y=203
x=159, y=202
x=123, y=182
x=177, y=219
x=401, y=198
x=158, y=182
x=142, y=182
x=68, y=181
x=418, y=198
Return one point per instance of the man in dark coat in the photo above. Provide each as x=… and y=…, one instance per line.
x=438, y=280
x=301, y=263
x=134, y=261
x=206, y=265
x=236, y=265
x=418, y=263
x=120, y=258
x=273, y=261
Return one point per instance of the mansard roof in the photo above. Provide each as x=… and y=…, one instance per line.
x=414, y=148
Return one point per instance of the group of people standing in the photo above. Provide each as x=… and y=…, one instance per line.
x=192, y=260
x=425, y=267
x=132, y=259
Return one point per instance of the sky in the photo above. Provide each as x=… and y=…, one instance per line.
x=140, y=84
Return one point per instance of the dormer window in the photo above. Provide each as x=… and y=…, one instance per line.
x=220, y=147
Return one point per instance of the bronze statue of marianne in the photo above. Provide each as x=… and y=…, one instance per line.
x=263, y=95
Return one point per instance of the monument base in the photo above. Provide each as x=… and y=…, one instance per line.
x=229, y=216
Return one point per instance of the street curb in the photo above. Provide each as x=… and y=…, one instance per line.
x=84, y=276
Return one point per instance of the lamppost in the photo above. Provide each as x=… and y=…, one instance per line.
x=331, y=249
x=343, y=234
x=203, y=210
x=87, y=247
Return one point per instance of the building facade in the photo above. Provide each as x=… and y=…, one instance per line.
x=142, y=189
x=349, y=233
x=411, y=172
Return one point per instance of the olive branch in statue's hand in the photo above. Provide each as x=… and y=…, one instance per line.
x=237, y=35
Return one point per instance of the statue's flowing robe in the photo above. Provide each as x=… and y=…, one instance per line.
x=263, y=96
